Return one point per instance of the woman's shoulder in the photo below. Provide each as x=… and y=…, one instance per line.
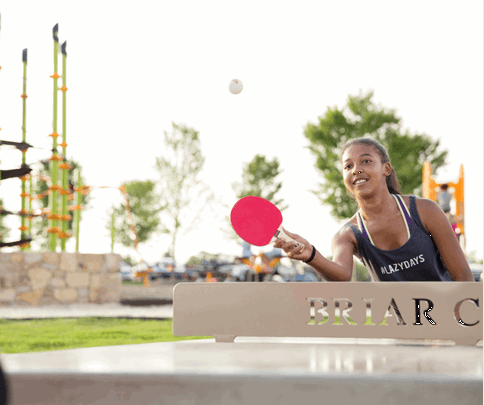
x=428, y=211
x=422, y=204
x=345, y=234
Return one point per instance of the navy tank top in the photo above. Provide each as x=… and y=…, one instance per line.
x=417, y=260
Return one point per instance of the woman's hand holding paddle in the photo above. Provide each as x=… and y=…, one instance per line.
x=294, y=251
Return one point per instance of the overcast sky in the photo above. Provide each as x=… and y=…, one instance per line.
x=134, y=67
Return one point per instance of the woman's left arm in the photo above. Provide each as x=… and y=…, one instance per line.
x=437, y=224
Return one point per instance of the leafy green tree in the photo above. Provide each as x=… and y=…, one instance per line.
x=184, y=196
x=207, y=258
x=361, y=272
x=259, y=179
x=40, y=187
x=128, y=259
x=359, y=118
x=144, y=208
x=194, y=260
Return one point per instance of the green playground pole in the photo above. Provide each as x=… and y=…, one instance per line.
x=78, y=208
x=54, y=162
x=23, y=228
x=31, y=179
x=64, y=166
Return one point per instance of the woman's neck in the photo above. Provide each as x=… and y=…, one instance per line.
x=376, y=206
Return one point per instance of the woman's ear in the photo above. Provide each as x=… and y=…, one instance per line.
x=388, y=169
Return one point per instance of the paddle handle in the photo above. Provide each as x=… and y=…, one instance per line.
x=281, y=234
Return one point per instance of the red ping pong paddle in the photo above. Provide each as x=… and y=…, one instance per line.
x=258, y=221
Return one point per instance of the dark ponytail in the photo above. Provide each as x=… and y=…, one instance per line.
x=393, y=184
x=392, y=180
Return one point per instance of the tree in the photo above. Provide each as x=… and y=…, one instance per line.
x=360, y=118
x=40, y=188
x=182, y=193
x=209, y=260
x=144, y=208
x=259, y=178
x=194, y=260
x=128, y=259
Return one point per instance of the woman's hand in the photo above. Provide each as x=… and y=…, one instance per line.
x=293, y=250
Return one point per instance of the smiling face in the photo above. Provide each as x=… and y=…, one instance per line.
x=363, y=170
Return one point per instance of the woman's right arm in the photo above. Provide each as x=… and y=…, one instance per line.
x=339, y=269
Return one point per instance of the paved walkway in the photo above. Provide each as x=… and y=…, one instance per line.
x=87, y=310
x=142, y=310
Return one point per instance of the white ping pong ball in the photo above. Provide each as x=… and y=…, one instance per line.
x=235, y=86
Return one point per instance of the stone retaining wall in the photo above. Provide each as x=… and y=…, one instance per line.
x=51, y=278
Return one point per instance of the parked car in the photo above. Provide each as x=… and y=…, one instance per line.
x=307, y=275
x=226, y=268
x=193, y=270
x=164, y=268
x=158, y=272
x=143, y=266
x=179, y=271
x=168, y=263
x=127, y=273
x=240, y=271
x=287, y=273
x=140, y=268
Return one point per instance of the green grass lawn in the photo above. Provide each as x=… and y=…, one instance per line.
x=133, y=282
x=24, y=336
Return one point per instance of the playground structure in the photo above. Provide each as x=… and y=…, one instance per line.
x=431, y=189
x=57, y=162
x=57, y=211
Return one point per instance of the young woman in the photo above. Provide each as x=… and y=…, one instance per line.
x=398, y=238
